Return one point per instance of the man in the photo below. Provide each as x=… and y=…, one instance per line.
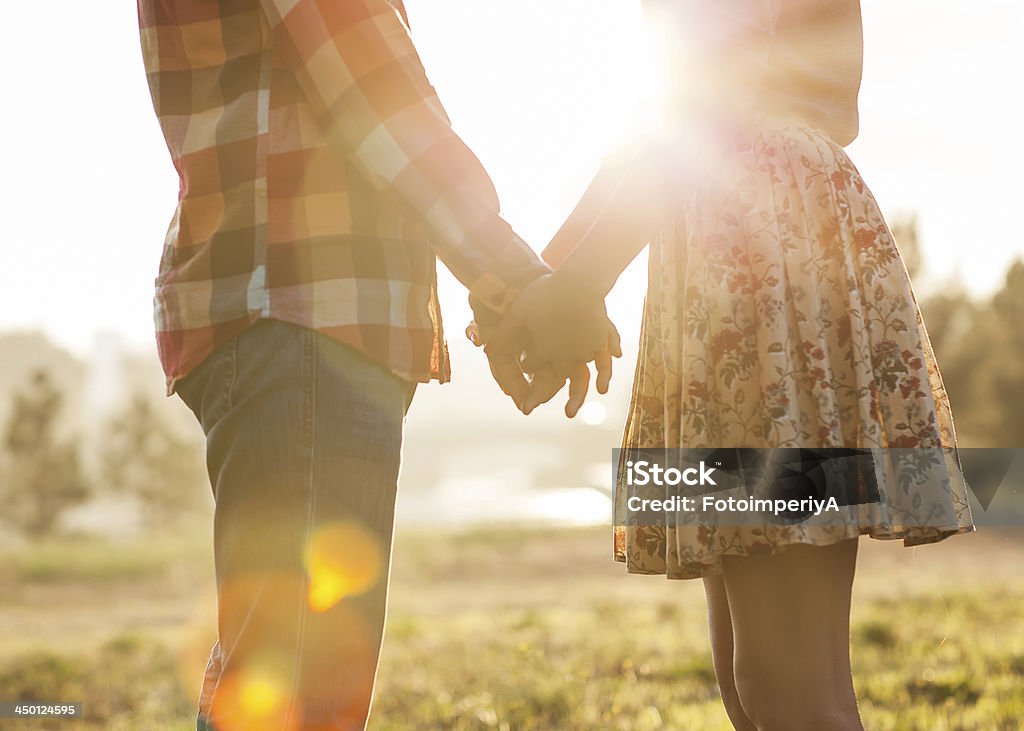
x=296, y=309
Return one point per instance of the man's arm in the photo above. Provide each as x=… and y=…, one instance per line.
x=623, y=208
x=359, y=70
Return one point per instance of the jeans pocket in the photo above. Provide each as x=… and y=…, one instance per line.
x=206, y=391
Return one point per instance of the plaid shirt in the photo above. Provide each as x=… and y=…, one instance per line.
x=319, y=176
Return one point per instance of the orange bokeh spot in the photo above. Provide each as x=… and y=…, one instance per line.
x=254, y=700
x=342, y=560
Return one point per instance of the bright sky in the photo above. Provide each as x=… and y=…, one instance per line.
x=539, y=88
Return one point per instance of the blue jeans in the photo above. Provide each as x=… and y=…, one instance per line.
x=303, y=444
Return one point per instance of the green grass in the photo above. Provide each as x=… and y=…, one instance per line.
x=129, y=682
x=521, y=630
x=71, y=559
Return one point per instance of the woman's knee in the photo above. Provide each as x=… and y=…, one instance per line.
x=775, y=701
x=733, y=705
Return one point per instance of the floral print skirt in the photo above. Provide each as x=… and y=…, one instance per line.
x=779, y=313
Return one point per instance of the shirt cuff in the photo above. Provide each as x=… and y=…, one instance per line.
x=491, y=296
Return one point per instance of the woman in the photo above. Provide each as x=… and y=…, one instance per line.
x=778, y=314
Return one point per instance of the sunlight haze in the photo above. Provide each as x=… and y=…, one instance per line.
x=539, y=89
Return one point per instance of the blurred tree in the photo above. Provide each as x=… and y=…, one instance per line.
x=1009, y=301
x=22, y=353
x=952, y=319
x=904, y=230
x=980, y=349
x=44, y=476
x=979, y=346
x=143, y=457
x=1003, y=356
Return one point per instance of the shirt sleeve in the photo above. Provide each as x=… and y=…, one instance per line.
x=359, y=70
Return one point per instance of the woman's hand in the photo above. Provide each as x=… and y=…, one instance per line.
x=556, y=322
x=545, y=384
x=529, y=387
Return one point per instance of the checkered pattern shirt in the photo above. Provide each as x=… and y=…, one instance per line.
x=319, y=176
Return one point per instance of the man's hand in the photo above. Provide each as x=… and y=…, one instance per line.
x=507, y=372
x=545, y=384
x=555, y=325
x=549, y=335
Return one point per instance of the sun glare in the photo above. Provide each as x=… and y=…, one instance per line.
x=562, y=85
x=260, y=697
x=342, y=560
x=255, y=698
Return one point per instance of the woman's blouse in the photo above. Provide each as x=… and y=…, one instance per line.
x=794, y=58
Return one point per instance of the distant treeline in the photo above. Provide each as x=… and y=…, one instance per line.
x=45, y=469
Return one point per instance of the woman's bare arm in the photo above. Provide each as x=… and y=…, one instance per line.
x=584, y=214
x=623, y=208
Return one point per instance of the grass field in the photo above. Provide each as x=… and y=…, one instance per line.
x=516, y=629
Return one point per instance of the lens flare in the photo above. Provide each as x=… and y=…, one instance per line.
x=259, y=697
x=254, y=699
x=342, y=560
x=593, y=413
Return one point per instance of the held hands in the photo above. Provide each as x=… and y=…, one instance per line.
x=549, y=335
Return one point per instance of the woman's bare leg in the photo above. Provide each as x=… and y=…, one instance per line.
x=791, y=633
x=720, y=628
